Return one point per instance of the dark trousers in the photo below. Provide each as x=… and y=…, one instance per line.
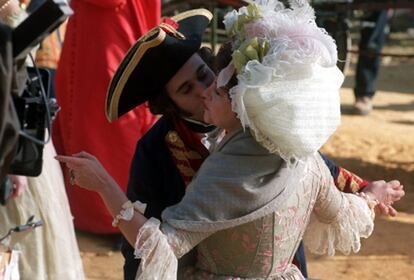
x=301, y=259
x=372, y=40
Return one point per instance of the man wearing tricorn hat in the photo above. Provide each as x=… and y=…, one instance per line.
x=166, y=68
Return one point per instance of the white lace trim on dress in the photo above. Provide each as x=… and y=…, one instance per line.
x=355, y=220
x=160, y=249
x=158, y=260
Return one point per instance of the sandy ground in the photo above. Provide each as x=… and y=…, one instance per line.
x=379, y=146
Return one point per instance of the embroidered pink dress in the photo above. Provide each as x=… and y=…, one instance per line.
x=260, y=244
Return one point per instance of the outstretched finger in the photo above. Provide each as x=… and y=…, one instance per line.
x=397, y=195
x=392, y=212
x=69, y=161
x=394, y=184
x=400, y=187
x=84, y=154
x=381, y=209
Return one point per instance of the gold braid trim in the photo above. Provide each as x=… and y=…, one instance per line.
x=185, y=170
x=341, y=181
x=181, y=155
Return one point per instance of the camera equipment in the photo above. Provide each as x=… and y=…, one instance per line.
x=30, y=224
x=33, y=107
x=38, y=25
x=33, y=110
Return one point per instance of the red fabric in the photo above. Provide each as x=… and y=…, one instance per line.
x=171, y=22
x=296, y=262
x=98, y=35
x=108, y=4
x=348, y=182
x=191, y=139
x=186, y=149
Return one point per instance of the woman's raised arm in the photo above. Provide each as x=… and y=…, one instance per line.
x=87, y=172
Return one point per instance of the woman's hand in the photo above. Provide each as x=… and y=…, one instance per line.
x=386, y=193
x=87, y=172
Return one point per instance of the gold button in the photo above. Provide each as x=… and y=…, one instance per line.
x=173, y=137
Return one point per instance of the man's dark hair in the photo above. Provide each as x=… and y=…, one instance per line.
x=162, y=104
x=223, y=58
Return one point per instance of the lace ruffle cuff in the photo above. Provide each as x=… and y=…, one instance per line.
x=158, y=260
x=355, y=220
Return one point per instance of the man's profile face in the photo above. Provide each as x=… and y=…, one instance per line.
x=186, y=87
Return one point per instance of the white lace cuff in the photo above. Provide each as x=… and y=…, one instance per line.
x=158, y=260
x=127, y=211
x=354, y=220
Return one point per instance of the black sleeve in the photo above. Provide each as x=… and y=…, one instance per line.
x=141, y=185
x=146, y=181
x=333, y=168
x=155, y=180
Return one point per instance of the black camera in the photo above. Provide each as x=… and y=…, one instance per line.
x=35, y=110
x=38, y=25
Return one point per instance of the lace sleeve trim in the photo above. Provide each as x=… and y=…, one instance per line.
x=353, y=222
x=159, y=249
x=158, y=260
x=182, y=241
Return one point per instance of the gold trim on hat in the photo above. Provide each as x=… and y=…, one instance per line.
x=113, y=110
x=196, y=12
x=173, y=31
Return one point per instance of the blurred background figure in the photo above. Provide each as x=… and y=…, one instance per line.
x=51, y=251
x=97, y=37
x=48, y=54
x=373, y=35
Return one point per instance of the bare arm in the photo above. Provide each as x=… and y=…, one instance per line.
x=158, y=248
x=90, y=174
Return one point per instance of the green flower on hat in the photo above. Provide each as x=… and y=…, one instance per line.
x=253, y=49
x=239, y=19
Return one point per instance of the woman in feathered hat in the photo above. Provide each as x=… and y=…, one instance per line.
x=252, y=199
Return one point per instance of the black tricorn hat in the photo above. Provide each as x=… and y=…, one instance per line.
x=154, y=59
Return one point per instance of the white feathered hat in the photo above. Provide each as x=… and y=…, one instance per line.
x=288, y=82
